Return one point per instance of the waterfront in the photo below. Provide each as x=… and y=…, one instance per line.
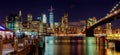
x=62, y=27
x=79, y=46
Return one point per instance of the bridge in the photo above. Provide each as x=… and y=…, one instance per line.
x=110, y=17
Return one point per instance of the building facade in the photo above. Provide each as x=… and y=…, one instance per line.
x=51, y=17
x=14, y=22
x=44, y=18
x=108, y=28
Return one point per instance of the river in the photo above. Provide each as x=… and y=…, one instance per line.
x=77, y=45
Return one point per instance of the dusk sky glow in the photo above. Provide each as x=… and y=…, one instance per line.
x=77, y=9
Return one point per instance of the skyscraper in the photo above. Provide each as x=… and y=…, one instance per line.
x=29, y=17
x=19, y=22
x=51, y=17
x=14, y=23
x=44, y=18
x=65, y=20
x=64, y=23
x=108, y=28
x=20, y=14
x=39, y=18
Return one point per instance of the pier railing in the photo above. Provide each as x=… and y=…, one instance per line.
x=28, y=46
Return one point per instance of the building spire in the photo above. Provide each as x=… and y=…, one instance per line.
x=20, y=13
x=51, y=9
x=51, y=17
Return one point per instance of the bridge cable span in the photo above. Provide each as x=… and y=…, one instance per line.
x=114, y=8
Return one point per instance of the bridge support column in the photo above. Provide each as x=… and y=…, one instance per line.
x=89, y=33
x=117, y=45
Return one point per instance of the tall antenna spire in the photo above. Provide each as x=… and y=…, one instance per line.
x=51, y=9
x=51, y=17
x=20, y=13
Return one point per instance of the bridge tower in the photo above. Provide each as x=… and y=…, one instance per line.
x=89, y=23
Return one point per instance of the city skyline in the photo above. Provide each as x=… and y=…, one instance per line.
x=76, y=9
x=59, y=27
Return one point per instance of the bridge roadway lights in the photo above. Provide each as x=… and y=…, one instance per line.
x=117, y=45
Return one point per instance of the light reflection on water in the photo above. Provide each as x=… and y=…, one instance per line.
x=77, y=46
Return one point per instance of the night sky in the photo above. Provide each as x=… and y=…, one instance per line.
x=77, y=9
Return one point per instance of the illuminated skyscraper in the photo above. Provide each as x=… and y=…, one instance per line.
x=64, y=23
x=14, y=23
x=39, y=18
x=51, y=17
x=19, y=22
x=20, y=14
x=44, y=18
x=29, y=17
x=65, y=20
x=108, y=28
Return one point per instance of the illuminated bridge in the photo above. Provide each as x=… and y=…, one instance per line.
x=110, y=17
